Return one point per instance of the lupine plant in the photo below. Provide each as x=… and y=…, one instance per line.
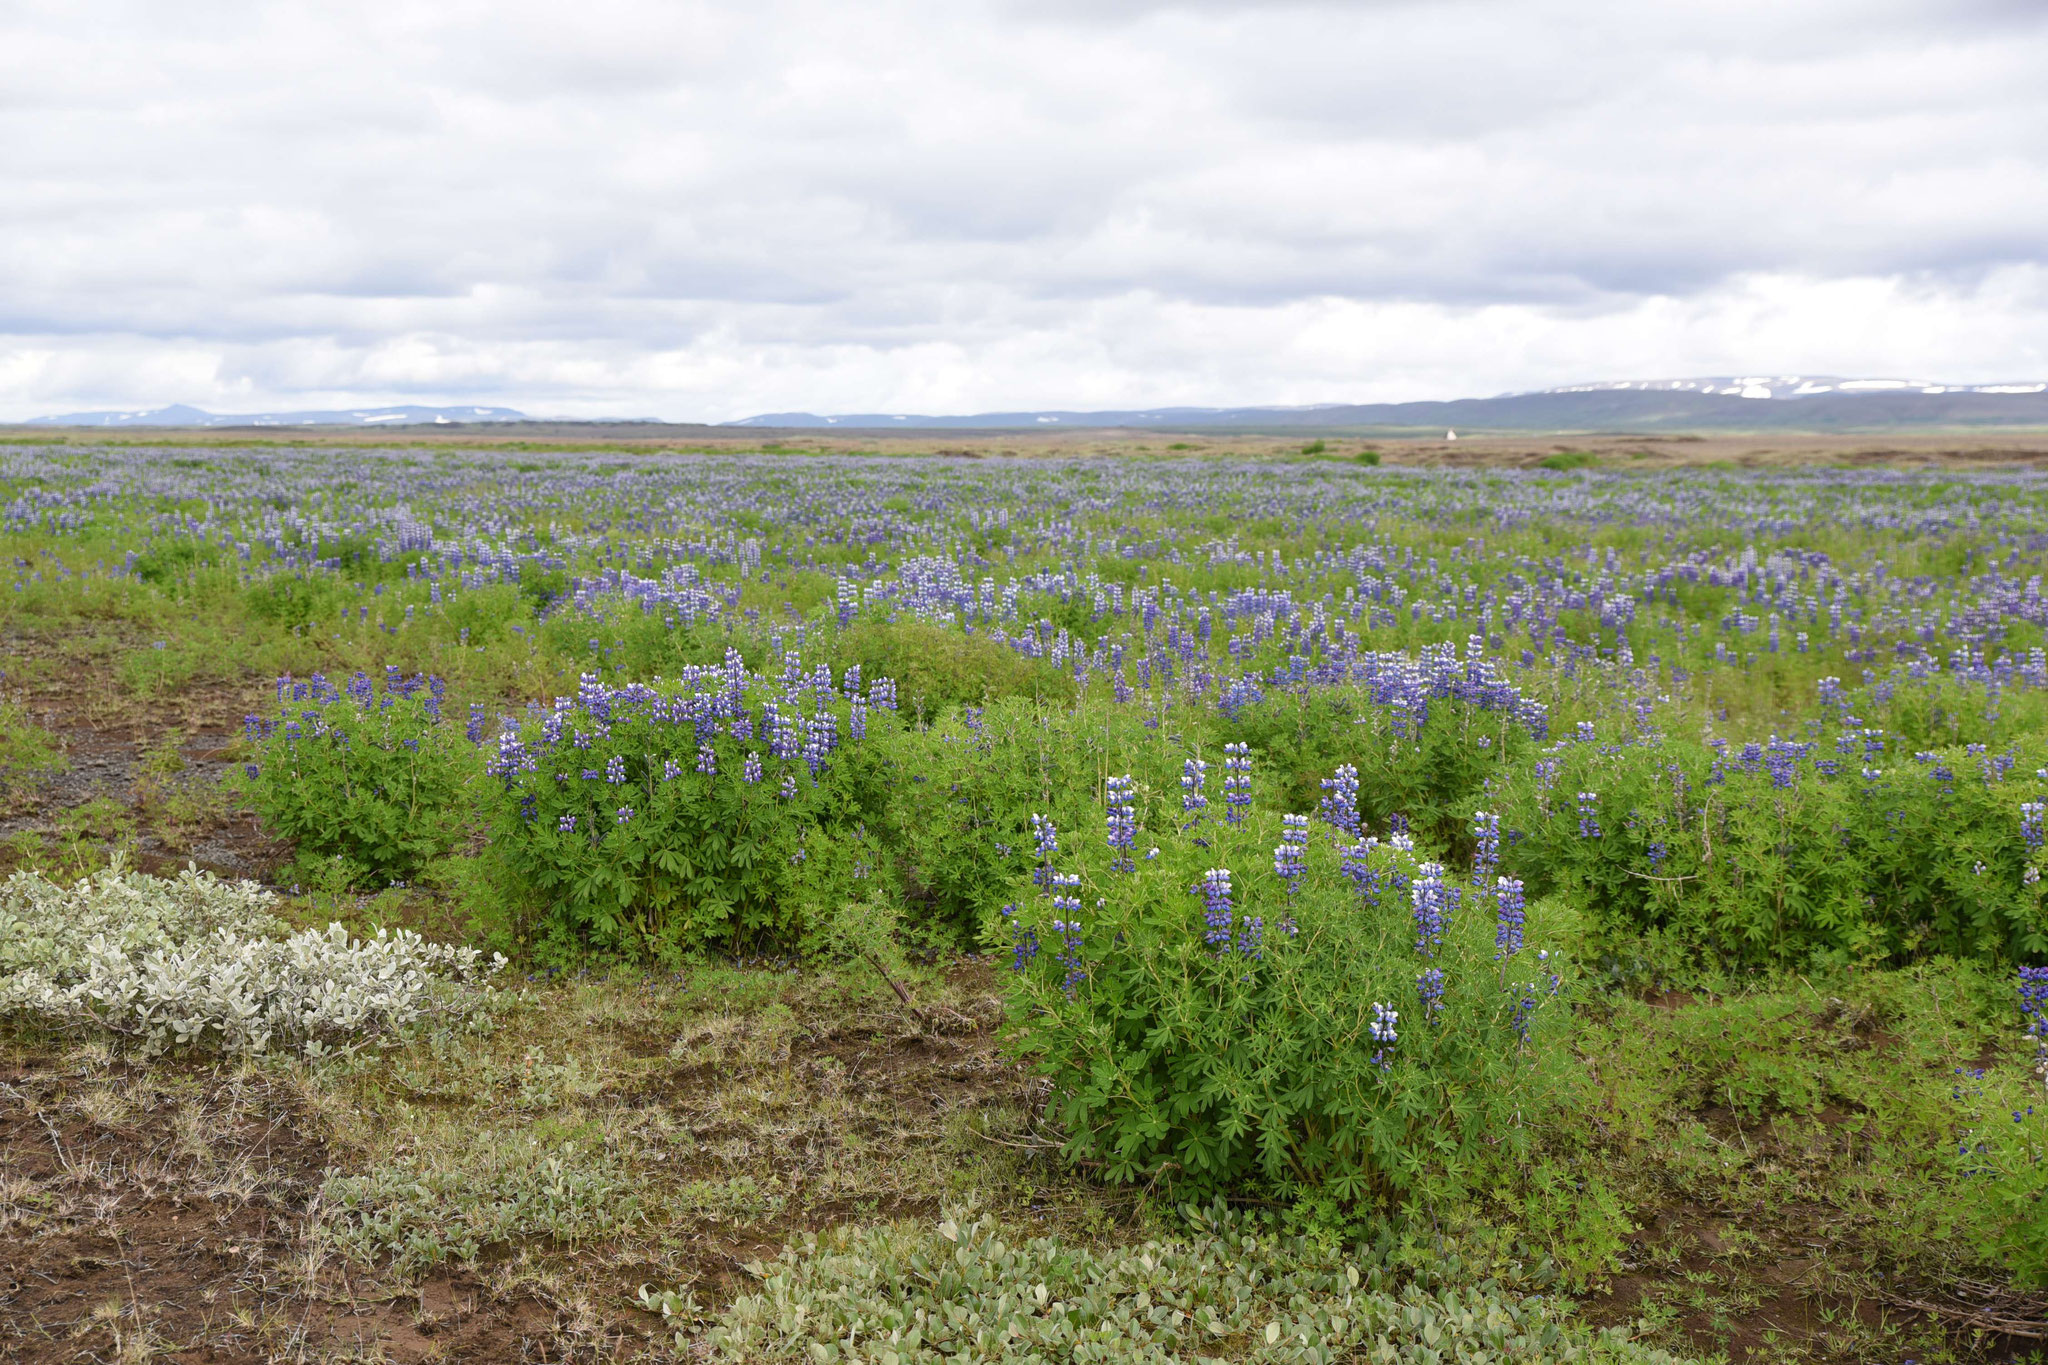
x=1832, y=849
x=1336, y=1018
x=656, y=819
x=2000, y=1156
x=369, y=772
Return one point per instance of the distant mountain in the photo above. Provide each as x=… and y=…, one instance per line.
x=178, y=415
x=1776, y=402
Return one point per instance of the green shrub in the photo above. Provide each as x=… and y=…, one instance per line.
x=1430, y=774
x=2001, y=1153
x=1569, y=459
x=368, y=773
x=936, y=668
x=657, y=820
x=1691, y=855
x=1224, y=1003
x=963, y=793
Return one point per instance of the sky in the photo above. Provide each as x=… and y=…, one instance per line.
x=700, y=212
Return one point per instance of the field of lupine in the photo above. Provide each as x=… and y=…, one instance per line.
x=555, y=906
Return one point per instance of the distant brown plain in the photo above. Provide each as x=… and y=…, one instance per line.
x=1955, y=449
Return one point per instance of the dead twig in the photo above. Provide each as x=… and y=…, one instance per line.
x=1993, y=1317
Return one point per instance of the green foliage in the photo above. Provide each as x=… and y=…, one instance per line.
x=1889, y=1097
x=368, y=774
x=1569, y=459
x=292, y=599
x=962, y=794
x=663, y=820
x=1431, y=775
x=1223, y=1043
x=167, y=561
x=2000, y=1196
x=1315, y=447
x=902, y=1295
x=27, y=750
x=429, y=1207
x=1367, y=457
x=935, y=668
x=1711, y=857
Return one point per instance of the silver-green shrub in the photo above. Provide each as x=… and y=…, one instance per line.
x=503, y=1187
x=195, y=962
x=902, y=1295
x=45, y=927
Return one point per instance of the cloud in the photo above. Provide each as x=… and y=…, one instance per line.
x=701, y=211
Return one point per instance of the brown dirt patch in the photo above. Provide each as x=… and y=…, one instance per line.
x=164, y=1214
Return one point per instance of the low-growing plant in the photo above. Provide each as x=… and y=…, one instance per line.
x=27, y=750
x=192, y=964
x=423, y=1209
x=2001, y=1154
x=972, y=1289
x=48, y=928
x=1223, y=995
x=367, y=772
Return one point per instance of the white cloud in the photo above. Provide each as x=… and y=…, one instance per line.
x=702, y=211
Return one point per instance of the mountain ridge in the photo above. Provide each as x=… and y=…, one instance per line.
x=181, y=415
x=1785, y=402
x=1818, y=403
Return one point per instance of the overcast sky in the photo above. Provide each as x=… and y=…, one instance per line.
x=703, y=211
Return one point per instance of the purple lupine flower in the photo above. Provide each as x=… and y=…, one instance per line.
x=788, y=791
x=1251, y=934
x=1357, y=865
x=1289, y=853
x=1023, y=941
x=1194, y=775
x=615, y=770
x=1433, y=903
x=1589, y=813
x=567, y=825
x=1047, y=841
x=1507, y=937
x=1486, y=844
x=2031, y=816
x=1237, y=782
x=821, y=737
x=2033, y=984
x=1526, y=1001
x=707, y=760
x=1340, y=807
x=1430, y=986
x=625, y=814
x=1214, y=889
x=670, y=770
x=1070, y=950
x=1384, y=1033
x=1122, y=820
x=750, y=771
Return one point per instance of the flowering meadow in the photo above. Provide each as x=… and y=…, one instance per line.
x=1522, y=857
